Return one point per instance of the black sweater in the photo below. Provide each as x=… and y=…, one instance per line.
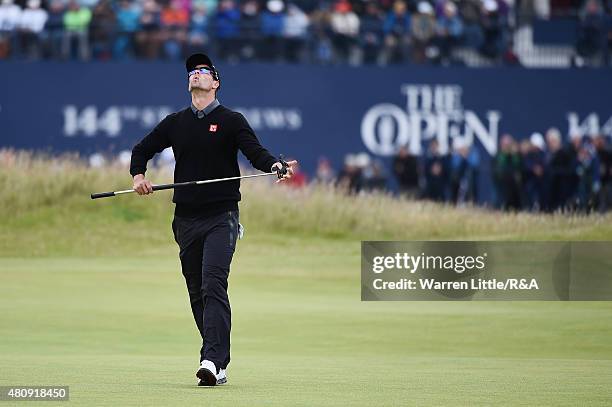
x=204, y=148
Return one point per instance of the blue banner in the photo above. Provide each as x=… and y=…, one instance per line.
x=303, y=111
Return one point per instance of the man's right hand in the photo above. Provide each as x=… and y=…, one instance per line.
x=142, y=186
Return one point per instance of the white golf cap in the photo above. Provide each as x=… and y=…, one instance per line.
x=425, y=8
x=362, y=160
x=490, y=5
x=538, y=140
x=275, y=6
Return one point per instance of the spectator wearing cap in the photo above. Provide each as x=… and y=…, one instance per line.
x=423, y=30
x=344, y=24
x=494, y=30
x=272, y=25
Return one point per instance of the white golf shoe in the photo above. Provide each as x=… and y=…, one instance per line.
x=221, y=377
x=207, y=373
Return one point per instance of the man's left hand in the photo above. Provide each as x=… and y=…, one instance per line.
x=290, y=169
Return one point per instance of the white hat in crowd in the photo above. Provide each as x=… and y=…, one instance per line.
x=425, y=8
x=538, y=140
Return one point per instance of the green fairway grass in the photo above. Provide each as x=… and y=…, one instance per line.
x=119, y=331
x=92, y=297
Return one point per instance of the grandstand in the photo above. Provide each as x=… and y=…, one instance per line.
x=532, y=33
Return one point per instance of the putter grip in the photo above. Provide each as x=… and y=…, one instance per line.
x=102, y=195
x=161, y=187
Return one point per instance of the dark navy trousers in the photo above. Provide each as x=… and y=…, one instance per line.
x=207, y=245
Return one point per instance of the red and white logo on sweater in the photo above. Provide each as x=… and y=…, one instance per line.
x=213, y=128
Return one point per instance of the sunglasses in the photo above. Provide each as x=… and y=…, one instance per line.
x=201, y=71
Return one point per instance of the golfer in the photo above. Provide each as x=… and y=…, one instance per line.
x=205, y=138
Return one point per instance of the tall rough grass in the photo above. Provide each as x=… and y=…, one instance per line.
x=39, y=191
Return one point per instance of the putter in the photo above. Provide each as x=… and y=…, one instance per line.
x=280, y=172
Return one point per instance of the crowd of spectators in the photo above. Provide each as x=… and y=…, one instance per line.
x=319, y=31
x=534, y=174
x=538, y=174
